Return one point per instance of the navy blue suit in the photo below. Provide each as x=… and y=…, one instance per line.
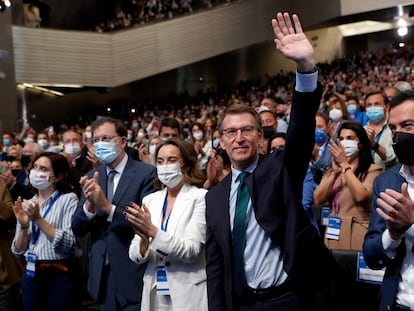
x=374, y=254
x=275, y=188
x=113, y=238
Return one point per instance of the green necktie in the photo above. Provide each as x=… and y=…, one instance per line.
x=239, y=235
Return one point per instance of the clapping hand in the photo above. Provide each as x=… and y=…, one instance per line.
x=95, y=197
x=20, y=213
x=338, y=153
x=397, y=209
x=140, y=218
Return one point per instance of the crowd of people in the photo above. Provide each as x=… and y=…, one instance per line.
x=140, y=12
x=208, y=204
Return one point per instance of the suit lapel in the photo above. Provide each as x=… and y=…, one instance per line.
x=157, y=204
x=102, y=179
x=180, y=206
x=126, y=177
x=222, y=202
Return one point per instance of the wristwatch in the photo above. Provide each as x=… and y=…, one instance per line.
x=375, y=147
x=344, y=169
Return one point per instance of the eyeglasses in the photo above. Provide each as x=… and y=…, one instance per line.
x=105, y=138
x=245, y=131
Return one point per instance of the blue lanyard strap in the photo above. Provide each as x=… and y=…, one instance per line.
x=36, y=229
x=164, y=225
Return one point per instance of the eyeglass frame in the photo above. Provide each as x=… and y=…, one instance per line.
x=104, y=138
x=248, y=128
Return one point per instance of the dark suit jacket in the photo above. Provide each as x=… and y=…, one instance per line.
x=114, y=237
x=276, y=191
x=20, y=188
x=374, y=254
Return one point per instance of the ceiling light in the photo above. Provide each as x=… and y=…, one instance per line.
x=41, y=89
x=74, y=86
x=402, y=22
x=4, y=5
x=402, y=31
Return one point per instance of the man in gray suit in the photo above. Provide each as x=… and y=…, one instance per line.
x=114, y=280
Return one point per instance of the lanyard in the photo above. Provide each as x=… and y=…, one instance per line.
x=35, y=229
x=164, y=225
x=378, y=138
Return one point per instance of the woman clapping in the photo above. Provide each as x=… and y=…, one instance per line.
x=44, y=236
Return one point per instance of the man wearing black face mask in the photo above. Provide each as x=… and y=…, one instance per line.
x=18, y=182
x=269, y=126
x=389, y=241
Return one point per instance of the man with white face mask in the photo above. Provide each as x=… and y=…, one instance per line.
x=75, y=153
x=379, y=133
x=114, y=280
x=72, y=145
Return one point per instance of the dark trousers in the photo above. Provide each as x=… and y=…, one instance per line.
x=11, y=298
x=111, y=298
x=51, y=290
x=286, y=302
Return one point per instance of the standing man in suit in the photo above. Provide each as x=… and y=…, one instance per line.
x=114, y=280
x=390, y=238
x=281, y=257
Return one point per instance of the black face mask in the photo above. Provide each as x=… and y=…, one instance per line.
x=15, y=172
x=268, y=131
x=404, y=147
x=25, y=160
x=10, y=158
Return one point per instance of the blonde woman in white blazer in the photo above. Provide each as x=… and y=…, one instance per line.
x=170, y=232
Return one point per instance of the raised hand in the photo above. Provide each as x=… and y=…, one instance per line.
x=94, y=194
x=143, y=154
x=21, y=215
x=291, y=41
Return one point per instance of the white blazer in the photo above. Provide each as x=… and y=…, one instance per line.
x=180, y=249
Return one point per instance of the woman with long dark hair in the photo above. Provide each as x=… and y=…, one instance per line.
x=347, y=185
x=44, y=236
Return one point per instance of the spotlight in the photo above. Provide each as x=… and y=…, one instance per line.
x=402, y=31
x=4, y=5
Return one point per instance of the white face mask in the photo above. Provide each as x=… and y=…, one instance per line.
x=170, y=174
x=43, y=143
x=198, y=135
x=335, y=114
x=39, y=180
x=72, y=149
x=351, y=147
x=28, y=140
x=152, y=149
